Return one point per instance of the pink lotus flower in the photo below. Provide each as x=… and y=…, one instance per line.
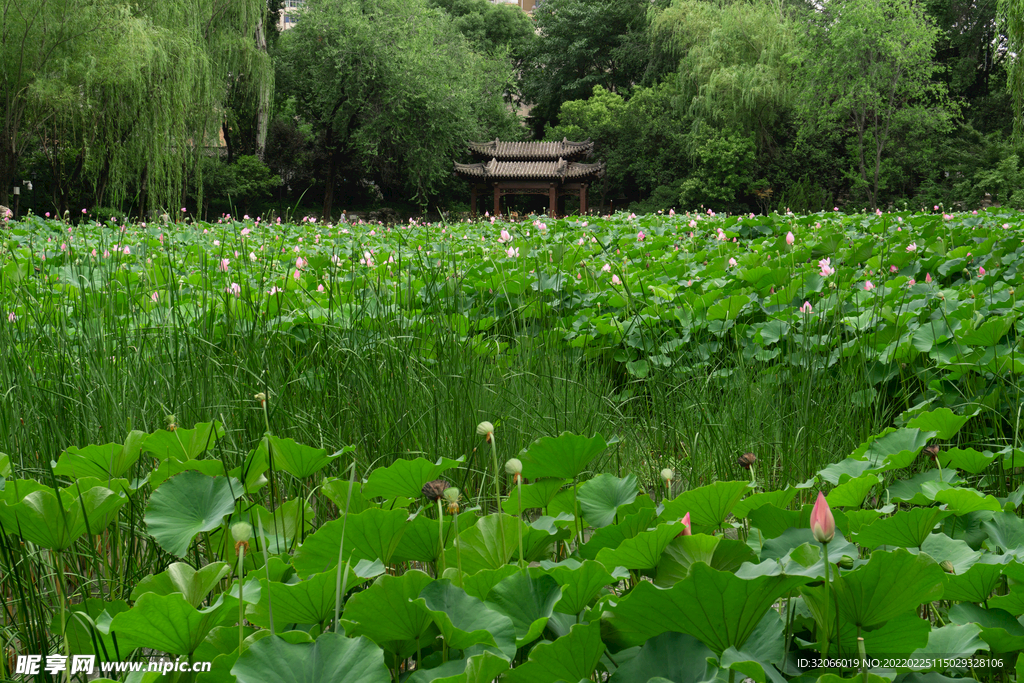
x=732, y=263
x=296, y=276
x=155, y=297
x=223, y=267
x=505, y=237
x=320, y=288
x=893, y=268
x=640, y=236
x=235, y=289
x=512, y=252
x=245, y=231
x=275, y=290
x=671, y=212
x=126, y=251
x=11, y=317
x=826, y=267
x=616, y=280
x=928, y=278
x=300, y=262
x=687, y=528
x=790, y=239
x=868, y=286
x=806, y=308
x=981, y=272
x=606, y=268
x=823, y=524
x=912, y=246
x=911, y=283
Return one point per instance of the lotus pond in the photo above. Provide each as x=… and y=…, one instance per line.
x=333, y=511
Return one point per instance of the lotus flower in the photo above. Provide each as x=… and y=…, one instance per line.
x=928, y=278
x=687, y=529
x=868, y=286
x=806, y=308
x=823, y=524
x=790, y=239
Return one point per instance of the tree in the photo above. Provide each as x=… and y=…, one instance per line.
x=868, y=68
x=121, y=97
x=1012, y=13
x=582, y=44
x=392, y=90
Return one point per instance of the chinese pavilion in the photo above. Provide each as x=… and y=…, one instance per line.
x=540, y=168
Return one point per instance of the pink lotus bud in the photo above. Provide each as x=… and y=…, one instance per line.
x=806, y=308
x=928, y=278
x=687, y=529
x=981, y=272
x=790, y=239
x=823, y=524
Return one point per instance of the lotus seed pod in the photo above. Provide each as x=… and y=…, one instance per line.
x=513, y=466
x=241, y=531
x=667, y=474
x=451, y=494
x=260, y=396
x=434, y=490
x=947, y=567
x=484, y=428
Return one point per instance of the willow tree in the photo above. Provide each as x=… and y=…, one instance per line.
x=1012, y=14
x=120, y=96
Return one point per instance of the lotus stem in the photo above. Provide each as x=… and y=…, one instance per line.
x=519, y=517
x=341, y=584
x=440, y=539
x=825, y=620
x=458, y=546
x=497, y=491
x=241, y=605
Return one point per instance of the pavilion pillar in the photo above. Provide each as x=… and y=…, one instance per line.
x=497, y=200
x=553, y=200
x=583, y=199
x=472, y=202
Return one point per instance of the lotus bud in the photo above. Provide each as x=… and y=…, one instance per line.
x=687, y=529
x=823, y=524
x=947, y=567
x=846, y=562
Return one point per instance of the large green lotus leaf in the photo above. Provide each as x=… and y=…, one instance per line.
x=166, y=623
x=709, y=506
x=673, y=656
x=338, y=491
x=580, y=582
x=988, y=333
x=773, y=521
x=780, y=498
x=388, y=612
x=974, y=585
x=563, y=457
x=481, y=544
x=304, y=602
x=188, y=504
x=643, y=551
x=1012, y=602
x=717, y=607
x=784, y=544
x=963, y=500
x=480, y=668
x=420, y=542
x=282, y=527
x=967, y=459
x=613, y=536
x=943, y=421
x=572, y=657
x=850, y=467
x=465, y=621
x=912, y=490
x=171, y=467
x=601, y=497
x=333, y=658
x=538, y=494
x=905, y=529
x=109, y=461
x=298, y=460
x=717, y=552
x=897, y=449
x=83, y=633
x=999, y=629
x=479, y=585
x=900, y=635
x=180, y=577
x=952, y=640
x=941, y=548
x=372, y=534
x=969, y=527
x=528, y=601
x=405, y=477
x=56, y=523
x=871, y=595
x=183, y=444
x=1005, y=531
x=852, y=492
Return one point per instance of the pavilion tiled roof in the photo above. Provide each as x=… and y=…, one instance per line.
x=516, y=170
x=536, y=151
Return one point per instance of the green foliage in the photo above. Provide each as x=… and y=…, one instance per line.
x=723, y=173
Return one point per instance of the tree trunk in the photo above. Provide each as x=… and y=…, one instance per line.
x=263, y=108
x=331, y=173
